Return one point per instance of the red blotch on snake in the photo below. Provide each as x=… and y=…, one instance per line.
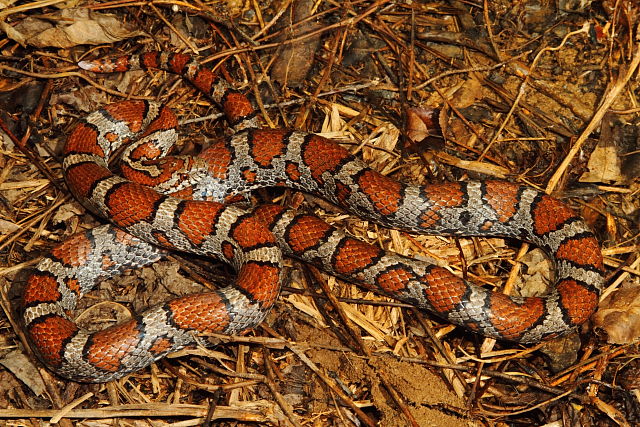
x=383, y=192
x=441, y=196
x=582, y=251
x=203, y=312
x=353, y=255
x=306, y=232
x=549, y=215
x=503, y=198
x=577, y=301
x=197, y=220
x=266, y=145
x=130, y=204
x=83, y=177
x=131, y=112
x=40, y=287
x=445, y=291
x=108, y=347
x=322, y=155
x=512, y=319
x=50, y=336
x=74, y=252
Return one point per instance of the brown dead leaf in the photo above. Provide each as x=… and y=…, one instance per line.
x=534, y=280
x=295, y=59
x=66, y=212
x=421, y=123
x=85, y=99
x=561, y=352
x=605, y=163
x=72, y=27
x=488, y=169
x=8, y=227
x=468, y=94
x=6, y=3
x=619, y=315
x=23, y=368
x=629, y=376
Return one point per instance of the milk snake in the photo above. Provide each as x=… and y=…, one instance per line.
x=186, y=211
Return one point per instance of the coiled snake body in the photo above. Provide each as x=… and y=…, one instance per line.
x=177, y=203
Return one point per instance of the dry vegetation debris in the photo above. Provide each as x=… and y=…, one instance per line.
x=539, y=92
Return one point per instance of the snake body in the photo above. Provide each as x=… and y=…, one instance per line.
x=178, y=203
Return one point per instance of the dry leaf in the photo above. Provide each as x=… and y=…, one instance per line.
x=421, y=123
x=468, y=94
x=66, y=212
x=23, y=368
x=73, y=27
x=295, y=59
x=6, y=3
x=629, y=376
x=561, y=352
x=604, y=165
x=8, y=227
x=474, y=165
x=534, y=280
x=619, y=315
x=86, y=99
